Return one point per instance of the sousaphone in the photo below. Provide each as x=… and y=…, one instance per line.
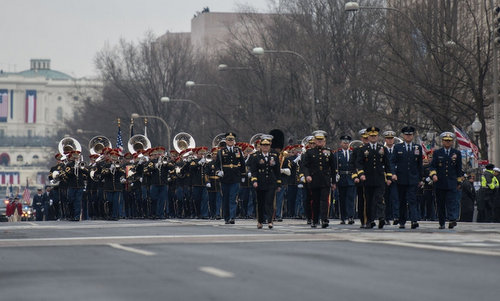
x=138, y=142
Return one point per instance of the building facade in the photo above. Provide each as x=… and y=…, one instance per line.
x=33, y=107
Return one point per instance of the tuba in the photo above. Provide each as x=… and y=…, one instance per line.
x=183, y=141
x=69, y=144
x=216, y=142
x=138, y=142
x=97, y=144
x=355, y=143
x=255, y=138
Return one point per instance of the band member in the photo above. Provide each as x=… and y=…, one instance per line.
x=112, y=174
x=374, y=171
x=159, y=171
x=39, y=205
x=344, y=168
x=318, y=169
x=408, y=174
x=266, y=179
x=199, y=180
x=291, y=195
x=286, y=172
x=56, y=177
x=446, y=172
x=231, y=164
x=213, y=187
x=246, y=194
x=391, y=197
x=76, y=172
x=304, y=190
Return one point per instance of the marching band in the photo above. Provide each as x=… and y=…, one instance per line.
x=262, y=179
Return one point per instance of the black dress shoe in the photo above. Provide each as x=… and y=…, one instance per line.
x=309, y=221
x=280, y=219
x=231, y=221
x=324, y=225
x=351, y=221
x=414, y=225
x=342, y=222
x=226, y=222
x=452, y=224
x=370, y=225
x=259, y=226
x=395, y=222
x=401, y=226
x=270, y=225
x=441, y=227
x=381, y=224
x=313, y=225
x=363, y=226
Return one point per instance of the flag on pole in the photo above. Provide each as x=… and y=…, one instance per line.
x=30, y=112
x=465, y=143
x=119, y=140
x=131, y=127
x=4, y=105
x=145, y=127
x=26, y=193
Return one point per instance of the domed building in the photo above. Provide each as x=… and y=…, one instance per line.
x=33, y=107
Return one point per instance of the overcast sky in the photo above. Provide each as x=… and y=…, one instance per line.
x=70, y=32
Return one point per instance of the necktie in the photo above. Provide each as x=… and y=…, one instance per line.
x=447, y=152
x=390, y=151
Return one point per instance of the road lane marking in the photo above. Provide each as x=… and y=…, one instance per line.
x=216, y=272
x=133, y=250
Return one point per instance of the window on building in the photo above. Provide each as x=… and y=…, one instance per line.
x=59, y=98
x=4, y=159
x=20, y=158
x=59, y=114
x=2, y=133
x=35, y=158
x=75, y=98
x=30, y=133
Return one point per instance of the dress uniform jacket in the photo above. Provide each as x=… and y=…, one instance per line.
x=212, y=178
x=344, y=167
x=448, y=168
x=159, y=175
x=197, y=172
x=265, y=172
x=112, y=179
x=374, y=164
x=232, y=163
x=76, y=177
x=318, y=163
x=407, y=165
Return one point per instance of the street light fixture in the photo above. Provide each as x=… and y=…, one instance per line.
x=224, y=67
x=259, y=51
x=476, y=128
x=169, y=130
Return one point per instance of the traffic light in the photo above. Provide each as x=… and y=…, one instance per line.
x=496, y=26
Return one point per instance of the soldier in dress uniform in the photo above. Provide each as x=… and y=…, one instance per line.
x=304, y=190
x=56, y=191
x=77, y=174
x=447, y=174
x=391, y=197
x=159, y=171
x=344, y=168
x=246, y=194
x=291, y=195
x=39, y=205
x=213, y=187
x=374, y=171
x=408, y=173
x=360, y=186
x=199, y=180
x=112, y=175
x=428, y=210
x=318, y=170
x=231, y=164
x=266, y=179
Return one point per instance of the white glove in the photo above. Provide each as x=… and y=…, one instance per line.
x=123, y=180
x=202, y=161
x=286, y=171
x=297, y=159
x=140, y=179
x=208, y=185
x=300, y=186
x=51, y=202
x=158, y=165
x=132, y=184
x=249, y=175
x=302, y=179
x=220, y=173
x=242, y=180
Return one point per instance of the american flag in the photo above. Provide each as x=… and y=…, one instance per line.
x=465, y=143
x=26, y=194
x=119, y=141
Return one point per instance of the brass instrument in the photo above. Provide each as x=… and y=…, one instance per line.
x=183, y=141
x=255, y=138
x=138, y=142
x=355, y=143
x=69, y=144
x=98, y=143
x=220, y=138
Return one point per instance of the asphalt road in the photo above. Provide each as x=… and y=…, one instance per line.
x=206, y=260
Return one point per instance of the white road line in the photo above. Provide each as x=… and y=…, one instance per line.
x=430, y=247
x=216, y=272
x=133, y=250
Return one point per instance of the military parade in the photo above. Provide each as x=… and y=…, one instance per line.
x=378, y=182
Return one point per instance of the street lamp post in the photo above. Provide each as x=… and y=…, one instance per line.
x=261, y=51
x=476, y=128
x=169, y=130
